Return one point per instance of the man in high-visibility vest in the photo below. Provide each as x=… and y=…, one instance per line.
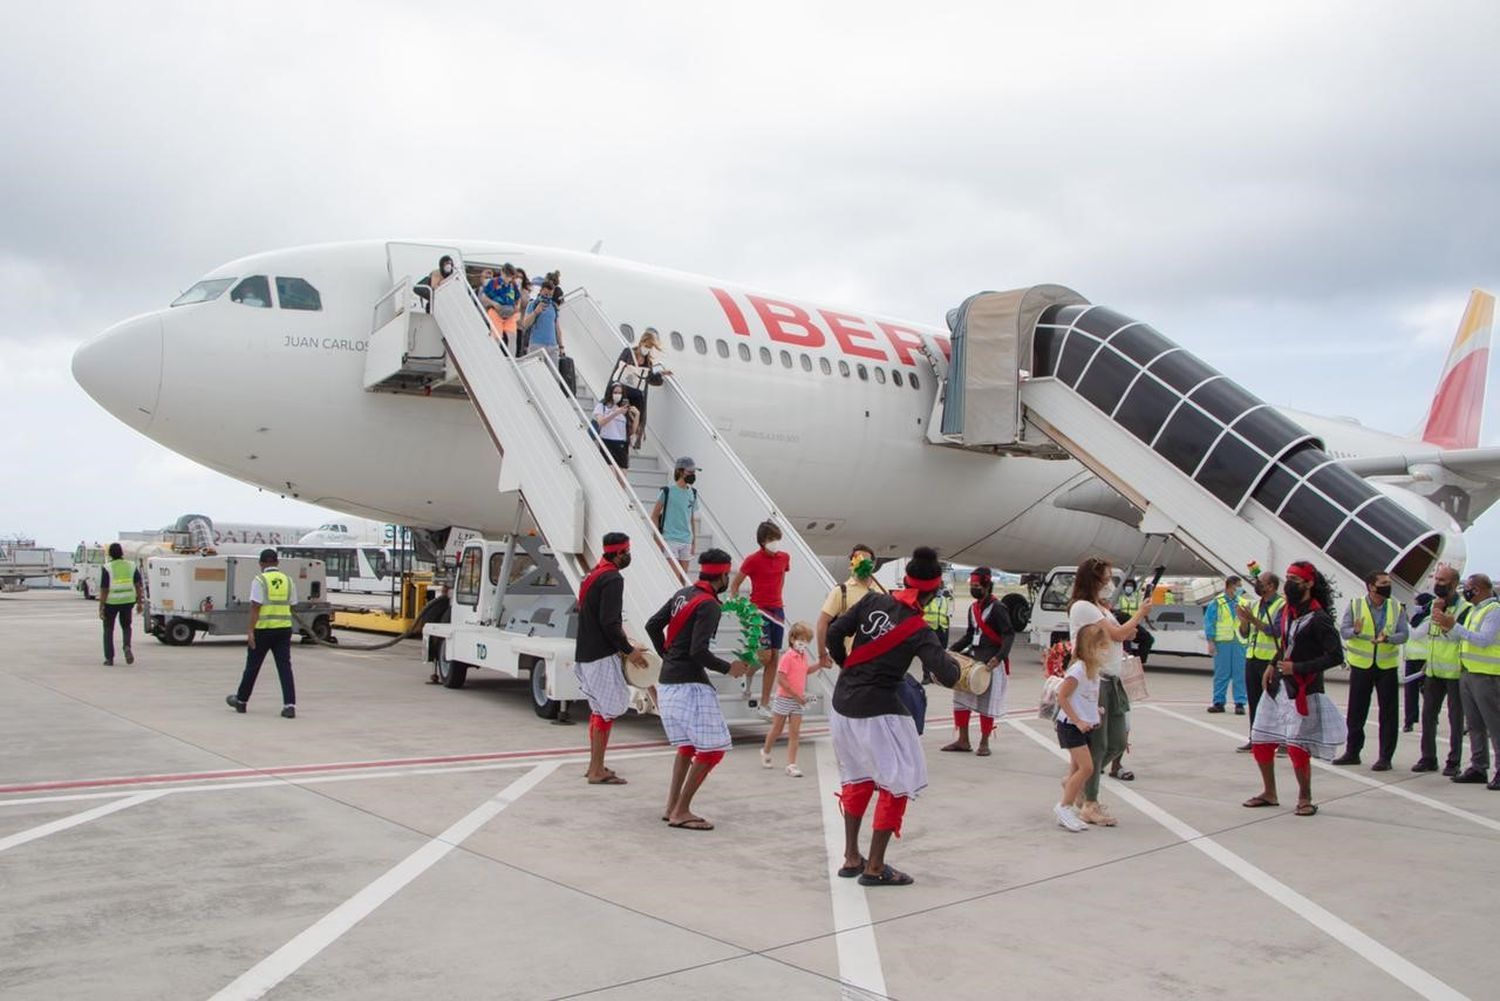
x=939, y=614
x=1260, y=628
x=1443, y=671
x=272, y=595
x=1221, y=626
x=1479, y=681
x=119, y=591
x=1374, y=627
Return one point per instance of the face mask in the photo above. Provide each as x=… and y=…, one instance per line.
x=618, y=399
x=862, y=566
x=773, y=546
x=801, y=647
x=1468, y=594
x=1384, y=590
x=722, y=585
x=690, y=478
x=1107, y=591
x=1442, y=590
x=976, y=593
x=622, y=561
x=1295, y=591
x=447, y=269
x=1130, y=589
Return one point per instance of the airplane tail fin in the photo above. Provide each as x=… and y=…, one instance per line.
x=1458, y=404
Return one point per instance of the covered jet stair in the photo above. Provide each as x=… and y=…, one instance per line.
x=1203, y=461
x=572, y=489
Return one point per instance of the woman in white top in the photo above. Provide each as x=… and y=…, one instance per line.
x=1093, y=588
x=610, y=416
x=638, y=369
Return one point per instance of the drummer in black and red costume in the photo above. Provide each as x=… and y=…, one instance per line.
x=988, y=640
x=597, y=656
x=682, y=631
x=874, y=735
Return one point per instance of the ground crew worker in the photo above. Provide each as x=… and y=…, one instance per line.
x=1221, y=626
x=938, y=613
x=1416, y=652
x=1126, y=606
x=1373, y=628
x=1479, y=683
x=597, y=655
x=272, y=596
x=120, y=590
x=1260, y=627
x=1444, y=670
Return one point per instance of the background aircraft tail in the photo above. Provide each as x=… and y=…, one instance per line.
x=1458, y=404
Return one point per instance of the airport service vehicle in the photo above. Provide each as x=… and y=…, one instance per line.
x=1176, y=627
x=89, y=562
x=22, y=561
x=358, y=569
x=189, y=595
x=1052, y=426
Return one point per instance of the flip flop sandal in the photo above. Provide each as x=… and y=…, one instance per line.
x=692, y=825
x=850, y=871
x=608, y=780
x=1255, y=802
x=983, y=752
x=887, y=877
x=1307, y=809
x=1124, y=775
x=956, y=749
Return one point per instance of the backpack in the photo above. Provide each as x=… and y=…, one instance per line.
x=914, y=697
x=661, y=520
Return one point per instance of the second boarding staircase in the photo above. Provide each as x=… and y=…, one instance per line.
x=575, y=493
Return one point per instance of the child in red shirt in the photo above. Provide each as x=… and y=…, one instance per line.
x=791, y=697
x=767, y=568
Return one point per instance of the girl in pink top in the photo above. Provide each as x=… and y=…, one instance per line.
x=790, y=697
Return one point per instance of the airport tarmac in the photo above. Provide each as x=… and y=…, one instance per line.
x=400, y=840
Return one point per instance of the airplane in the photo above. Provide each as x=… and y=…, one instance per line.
x=358, y=532
x=826, y=405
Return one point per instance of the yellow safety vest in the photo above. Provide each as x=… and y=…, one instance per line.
x=1129, y=603
x=1443, y=650
x=1418, y=647
x=1259, y=645
x=1359, y=649
x=276, y=612
x=1481, y=659
x=938, y=612
x=1227, y=621
x=121, y=583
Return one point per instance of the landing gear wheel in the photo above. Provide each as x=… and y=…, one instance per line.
x=450, y=673
x=180, y=632
x=545, y=708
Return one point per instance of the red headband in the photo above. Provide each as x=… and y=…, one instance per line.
x=924, y=583
x=714, y=569
x=1302, y=571
x=982, y=578
x=617, y=547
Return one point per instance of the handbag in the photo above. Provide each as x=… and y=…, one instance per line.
x=1048, y=707
x=914, y=697
x=1133, y=677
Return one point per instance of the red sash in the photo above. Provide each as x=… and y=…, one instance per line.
x=686, y=611
x=989, y=630
x=1302, y=680
x=886, y=642
x=599, y=571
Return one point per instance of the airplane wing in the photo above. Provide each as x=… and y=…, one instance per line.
x=1468, y=475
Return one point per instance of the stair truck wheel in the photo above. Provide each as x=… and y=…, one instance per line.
x=545, y=708
x=450, y=673
x=180, y=632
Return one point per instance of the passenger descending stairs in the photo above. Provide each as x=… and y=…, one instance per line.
x=576, y=494
x=1201, y=460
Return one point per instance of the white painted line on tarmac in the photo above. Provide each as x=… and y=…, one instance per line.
x=1362, y=945
x=860, y=972
x=1343, y=772
x=52, y=827
x=290, y=958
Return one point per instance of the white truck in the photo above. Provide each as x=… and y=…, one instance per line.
x=1176, y=628
x=188, y=595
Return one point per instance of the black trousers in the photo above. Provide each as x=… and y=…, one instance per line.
x=122, y=613
x=1255, y=683
x=277, y=643
x=1387, y=688
x=1414, y=693
x=1434, y=691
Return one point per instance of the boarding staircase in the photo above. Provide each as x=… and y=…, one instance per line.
x=1199, y=459
x=572, y=488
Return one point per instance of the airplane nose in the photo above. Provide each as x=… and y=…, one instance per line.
x=121, y=369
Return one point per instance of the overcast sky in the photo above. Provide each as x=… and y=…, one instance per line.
x=1301, y=193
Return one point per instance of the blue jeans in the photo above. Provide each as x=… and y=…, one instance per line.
x=1229, y=666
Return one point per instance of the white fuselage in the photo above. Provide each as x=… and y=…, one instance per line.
x=846, y=457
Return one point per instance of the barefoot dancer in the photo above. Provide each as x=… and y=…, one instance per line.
x=873, y=733
x=988, y=640
x=681, y=630
x=1294, y=710
x=601, y=644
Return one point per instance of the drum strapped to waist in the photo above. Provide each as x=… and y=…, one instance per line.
x=973, y=675
x=642, y=677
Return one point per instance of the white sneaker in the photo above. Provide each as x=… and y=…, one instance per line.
x=794, y=771
x=765, y=759
x=764, y=712
x=1067, y=819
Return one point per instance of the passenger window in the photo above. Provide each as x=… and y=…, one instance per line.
x=722, y=347
x=296, y=293
x=676, y=341
x=880, y=375
x=765, y=356
x=896, y=376
x=253, y=291
x=806, y=363
x=913, y=378
x=864, y=373
x=825, y=366
x=744, y=351
x=699, y=344
x=207, y=290
x=786, y=359
x=843, y=368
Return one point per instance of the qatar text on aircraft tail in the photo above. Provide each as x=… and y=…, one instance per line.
x=1458, y=403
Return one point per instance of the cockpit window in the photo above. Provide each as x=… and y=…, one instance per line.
x=252, y=291
x=207, y=290
x=297, y=293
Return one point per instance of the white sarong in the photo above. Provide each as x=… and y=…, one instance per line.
x=992, y=702
x=881, y=749
x=603, y=684
x=1320, y=733
x=691, y=716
